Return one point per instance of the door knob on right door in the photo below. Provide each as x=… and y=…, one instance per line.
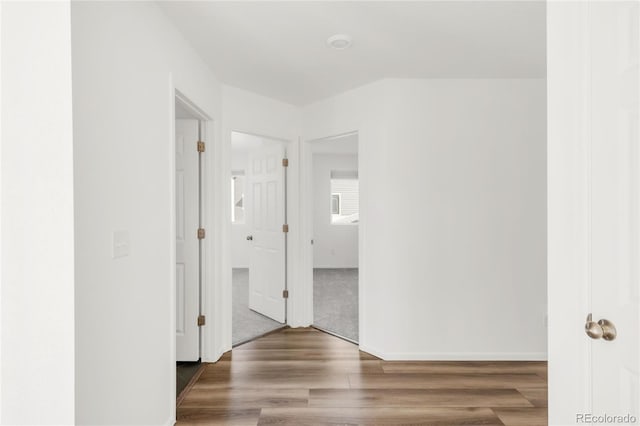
x=609, y=331
x=593, y=329
x=602, y=329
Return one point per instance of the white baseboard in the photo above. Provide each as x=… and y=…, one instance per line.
x=336, y=267
x=465, y=356
x=298, y=324
x=170, y=422
x=371, y=351
x=455, y=356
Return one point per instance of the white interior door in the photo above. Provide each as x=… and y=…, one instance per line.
x=187, y=254
x=615, y=204
x=593, y=79
x=266, y=212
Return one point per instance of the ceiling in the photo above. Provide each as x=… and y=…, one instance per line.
x=278, y=49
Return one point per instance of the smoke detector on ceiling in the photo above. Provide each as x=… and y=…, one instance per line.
x=339, y=41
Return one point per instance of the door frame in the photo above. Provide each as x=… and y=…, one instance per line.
x=291, y=215
x=208, y=220
x=306, y=215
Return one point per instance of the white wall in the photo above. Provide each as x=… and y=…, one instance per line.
x=468, y=257
x=239, y=245
x=334, y=246
x=126, y=57
x=37, y=294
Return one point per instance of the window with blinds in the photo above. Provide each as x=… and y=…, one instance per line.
x=345, y=196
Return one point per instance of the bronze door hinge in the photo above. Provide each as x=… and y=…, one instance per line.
x=201, y=146
x=285, y=228
x=201, y=233
x=285, y=162
x=285, y=294
x=201, y=320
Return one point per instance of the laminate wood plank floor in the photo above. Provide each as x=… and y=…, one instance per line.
x=307, y=377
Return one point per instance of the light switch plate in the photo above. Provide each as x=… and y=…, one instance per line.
x=121, y=244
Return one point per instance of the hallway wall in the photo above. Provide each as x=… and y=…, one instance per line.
x=125, y=58
x=469, y=256
x=37, y=250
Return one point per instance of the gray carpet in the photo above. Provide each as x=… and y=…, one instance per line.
x=335, y=301
x=247, y=324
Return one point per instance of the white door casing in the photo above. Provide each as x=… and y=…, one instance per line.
x=594, y=212
x=266, y=216
x=615, y=204
x=187, y=243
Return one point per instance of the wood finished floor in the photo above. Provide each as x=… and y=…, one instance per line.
x=306, y=377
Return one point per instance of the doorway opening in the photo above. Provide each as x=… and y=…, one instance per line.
x=190, y=128
x=336, y=215
x=258, y=235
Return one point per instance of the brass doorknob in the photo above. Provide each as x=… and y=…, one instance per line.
x=609, y=331
x=593, y=329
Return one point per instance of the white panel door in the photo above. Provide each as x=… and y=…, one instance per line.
x=187, y=253
x=615, y=204
x=266, y=212
x=593, y=79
